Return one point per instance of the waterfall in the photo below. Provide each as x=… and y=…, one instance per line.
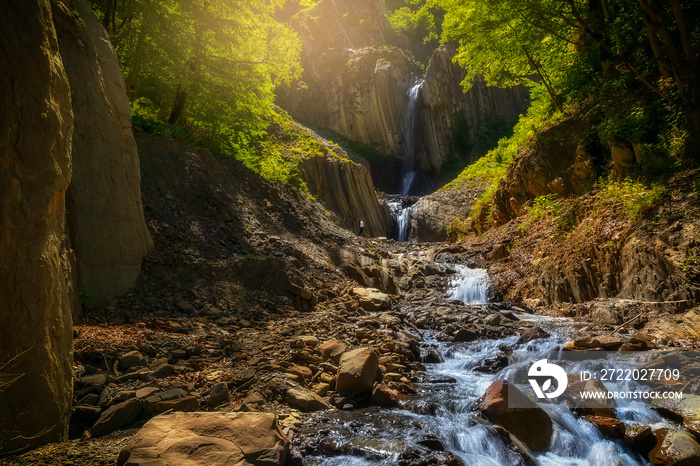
x=403, y=220
x=469, y=286
x=407, y=172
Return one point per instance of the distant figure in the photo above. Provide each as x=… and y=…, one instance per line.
x=362, y=226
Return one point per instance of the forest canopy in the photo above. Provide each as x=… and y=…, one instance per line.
x=212, y=64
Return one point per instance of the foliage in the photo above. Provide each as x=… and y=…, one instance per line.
x=632, y=197
x=211, y=65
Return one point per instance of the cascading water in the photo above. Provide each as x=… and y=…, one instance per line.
x=408, y=174
x=469, y=285
x=451, y=389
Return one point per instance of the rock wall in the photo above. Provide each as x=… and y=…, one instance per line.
x=36, y=124
x=432, y=214
x=443, y=100
x=105, y=214
x=346, y=188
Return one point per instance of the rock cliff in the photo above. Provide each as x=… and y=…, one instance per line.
x=443, y=103
x=105, y=215
x=36, y=125
x=347, y=190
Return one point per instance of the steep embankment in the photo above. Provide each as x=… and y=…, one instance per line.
x=67, y=153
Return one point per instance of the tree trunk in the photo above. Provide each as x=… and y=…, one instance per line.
x=178, y=105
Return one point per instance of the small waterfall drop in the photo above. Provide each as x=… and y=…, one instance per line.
x=469, y=285
x=408, y=174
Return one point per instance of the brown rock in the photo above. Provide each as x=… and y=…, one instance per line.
x=464, y=335
x=358, y=371
x=533, y=333
x=604, y=342
x=186, y=403
x=610, y=427
x=212, y=439
x=305, y=400
x=523, y=418
x=333, y=350
x=36, y=124
x=675, y=447
x=219, y=394
x=640, y=438
x=385, y=396
x=117, y=416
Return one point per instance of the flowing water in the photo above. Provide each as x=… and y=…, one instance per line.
x=380, y=436
x=408, y=174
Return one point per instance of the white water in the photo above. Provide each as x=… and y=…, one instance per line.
x=403, y=218
x=408, y=173
x=386, y=433
x=469, y=285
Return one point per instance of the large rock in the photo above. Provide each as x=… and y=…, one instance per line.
x=504, y=404
x=305, y=400
x=208, y=439
x=358, y=371
x=675, y=448
x=371, y=299
x=36, y=124
x=115, y=417
x=105, y=214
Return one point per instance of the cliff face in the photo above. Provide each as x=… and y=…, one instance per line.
x=36, y=125
x=356, y=82
x=346, y=189
x=105, y=215
x=443, y=101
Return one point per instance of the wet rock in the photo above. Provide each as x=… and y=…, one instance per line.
x=604, y=342
x=431, y=442
x=493, y=320
x=305, y=400
x=584, y=407
x=385, y=396
x=493, y=365
x=533, y=333
x=610, y=427
x=219, y=394
x=640, y=438
x=687, y=409
x=358, y=371
x=432, y=357
x=675, y=447
x=208, y=438
x=504, y=404
x=117, y=416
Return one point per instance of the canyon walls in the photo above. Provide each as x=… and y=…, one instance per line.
x=36, y=125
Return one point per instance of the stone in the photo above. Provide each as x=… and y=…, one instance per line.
x=464, y=335
x=219, y=394
x=675, y=447
x=212, y=439
x=163, y=370
x=385, y=396
x=104, y=210
x=504, y=404
x=640, y=438
x=688, y=408
x=533, y=333
x=185, y=306
x=432, y=357
x=305, y=400
x=186, y=403
x=117, y=416
x=146, y=392
x=610, y=427
x=604, y=342
x=493, y=320
x=99, y=379
x=358, y=371
x=333, y=350
x=371, y=299
x=130, y=359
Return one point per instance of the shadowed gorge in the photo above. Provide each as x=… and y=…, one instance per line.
x=349, y=232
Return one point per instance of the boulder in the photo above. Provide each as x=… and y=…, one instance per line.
x=608, y=426
x=371, y=299
x=504, y=404
x=688, y=408
x=675, y=447
x=358, y=371
x=117, y=416
x=305, y=400
x=333, y=350
x=464, y=335
x=533, y=333
x=208, y=439
x=603, y=342
x=219, y=394
x=385, y=396
x=640, y=438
